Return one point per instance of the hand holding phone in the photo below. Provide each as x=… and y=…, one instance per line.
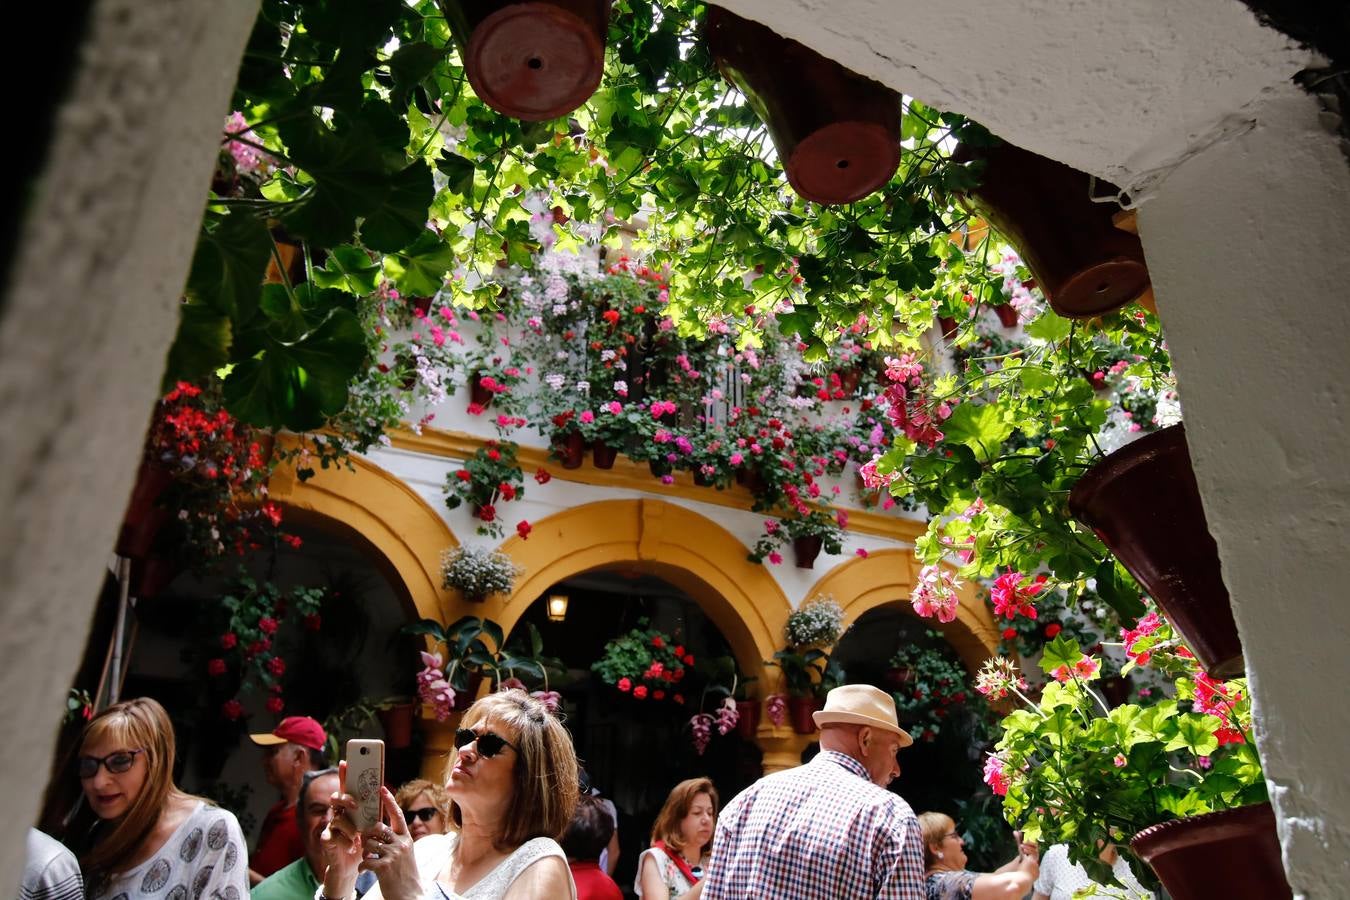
x=365, y=776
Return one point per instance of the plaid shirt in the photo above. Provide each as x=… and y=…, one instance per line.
x=822, y=830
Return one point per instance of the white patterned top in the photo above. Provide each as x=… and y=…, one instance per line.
x=203, y=859
x=1059, y=878
x=433, y=852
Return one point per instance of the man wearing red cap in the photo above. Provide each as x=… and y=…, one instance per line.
x=294, y=747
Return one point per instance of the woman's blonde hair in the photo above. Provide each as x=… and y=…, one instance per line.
x=934, y=826
x=544, y=781
x=140, y=724
x=411, y=790
x=666, y=828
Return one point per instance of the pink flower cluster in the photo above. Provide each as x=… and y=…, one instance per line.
x=775, y=707
x=996, y=775
x=726, y=716
x=1013, y=593
x=916, y=416
x=998, y=677
x=935, y=594
x=1085, y=669
x=700, y=726
x=433, y=689
x=1142, y=629
x=663, y=407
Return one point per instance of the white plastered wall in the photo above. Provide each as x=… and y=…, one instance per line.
x=1244, y=213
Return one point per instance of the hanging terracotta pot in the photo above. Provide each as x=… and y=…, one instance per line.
x=477, y=393
x=848, y=380
x=659, y=467
x=397, y=722
x=750, y=478
x=1234, y=854
x=570, y=449
x=1143, y=503
x=896, y=677
x=1007, y=316
x=604, y=455
x=837, y=132
x=1116, y=689
x=1086, y=266
x=948, y=326
x=535, y=60
x=806, y=548
x=799, y=713
x=747, y=719
x=144, y=516
x=702, y=479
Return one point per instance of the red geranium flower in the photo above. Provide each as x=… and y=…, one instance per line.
x=624, y=684
x=657, y=642
x=228, y=640
x=275, y=704
x=277, y=666
x=542, y=476
x=463, y=475
x=215, y=668
x=1053, y=629
x=640, y=692
x=523, y=528
x=487, y=512
x=267, y=625
x=313, y=622
x=232, y=709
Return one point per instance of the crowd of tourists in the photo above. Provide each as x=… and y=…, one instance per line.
x=516, y=818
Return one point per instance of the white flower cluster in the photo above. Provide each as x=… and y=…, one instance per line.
x=819, y=621
x=476, y=572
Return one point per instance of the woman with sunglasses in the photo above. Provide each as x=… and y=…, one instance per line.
x=946, y=878
x=425, y=806
x=682, y=836
x=512, y=787
x=151, y=838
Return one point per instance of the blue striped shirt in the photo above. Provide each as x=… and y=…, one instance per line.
x=822, y=830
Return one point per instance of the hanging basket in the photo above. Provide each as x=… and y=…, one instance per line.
x=1007, y=316
x=1143, y=503
x=1085, y=265
x=144, y=516
x=1234, y=854
x=570, y=449
x=805, y=549
x=799, y=713
x=533, y=61
x=837, y=132
x=477, y=393
x=604, y=455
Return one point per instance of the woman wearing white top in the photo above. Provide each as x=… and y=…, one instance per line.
x=153, y=839
x=1059, y=878
x=512, y=790
x=672, y=868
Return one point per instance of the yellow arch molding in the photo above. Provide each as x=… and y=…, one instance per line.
x=678, y=545
x=886, y=578
x=385, y=513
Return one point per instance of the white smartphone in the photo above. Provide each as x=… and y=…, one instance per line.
x=365, y=775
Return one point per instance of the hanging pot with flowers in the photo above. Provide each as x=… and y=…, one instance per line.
x=936, y=686
x=726, y=712
x=449, y=683
x=490, y=477
x=477, y=572
x=809, y=532
x=646, y=664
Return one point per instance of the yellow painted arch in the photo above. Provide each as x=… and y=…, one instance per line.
x=385, y=514
x=671, y=542
x=886, y=578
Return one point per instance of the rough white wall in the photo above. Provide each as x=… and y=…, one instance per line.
x=1247, y=248
x=83, y=330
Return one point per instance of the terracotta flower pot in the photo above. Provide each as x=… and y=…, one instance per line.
x=152, y=575
x=658, y=467
x=837, y=132
x=144, y=517
x=897, y=677
x=397, y=722
x=1086, y=266
x=948, y=326
x=477, y=393
x=571, y=449
x=1116, y=689
x=464, y=699
x=848, y=380
x=1007, y=316
x=1143, y=502
x=701, y=479
x=534, y=60
x=750, y=478
x=806, y=549
x=1234, y=854
x=799, y=713
x=747, y=723
x=604, y=455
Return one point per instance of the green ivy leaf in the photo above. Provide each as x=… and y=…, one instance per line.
x=1061, y=651
x=1049, y=327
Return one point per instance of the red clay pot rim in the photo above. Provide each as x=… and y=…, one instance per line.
x=579, y=90
x=1239, y=817
x=1136, y=453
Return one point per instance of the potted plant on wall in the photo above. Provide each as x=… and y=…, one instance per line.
x=645, y=664
x=477, y=572
x=491, y=476
x=935, y=686
x=1178, y=781
x=449, y=683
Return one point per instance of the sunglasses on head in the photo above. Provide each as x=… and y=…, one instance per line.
x=489, y=744
x=426, y=814
x=116, y=763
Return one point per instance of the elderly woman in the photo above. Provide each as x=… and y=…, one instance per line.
x=946, y=878
x=152, y=838
x=672, y=868
x=425, y=806
x=512, y=789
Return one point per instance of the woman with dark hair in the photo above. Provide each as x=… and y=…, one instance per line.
x=672, y=868
x=152, y=838
x=512, y=789
x=583, y=842
x=945, y=874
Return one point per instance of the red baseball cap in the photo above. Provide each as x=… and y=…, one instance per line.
x=300, y=730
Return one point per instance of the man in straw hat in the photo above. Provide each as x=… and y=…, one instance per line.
x=828, y=829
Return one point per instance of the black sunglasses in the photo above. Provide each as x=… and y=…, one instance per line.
x=116, y=763
x=426, y=814
x=489, y=744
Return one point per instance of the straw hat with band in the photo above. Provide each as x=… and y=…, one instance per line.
x=861, y=704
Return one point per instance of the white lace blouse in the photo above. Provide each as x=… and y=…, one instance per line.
x=433, y=851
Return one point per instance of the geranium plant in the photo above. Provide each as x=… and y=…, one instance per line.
x=645, y=663
x=1071, y=771
x=477, y=572
x=932, y=684
x=490, y=477
x=813, y=522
